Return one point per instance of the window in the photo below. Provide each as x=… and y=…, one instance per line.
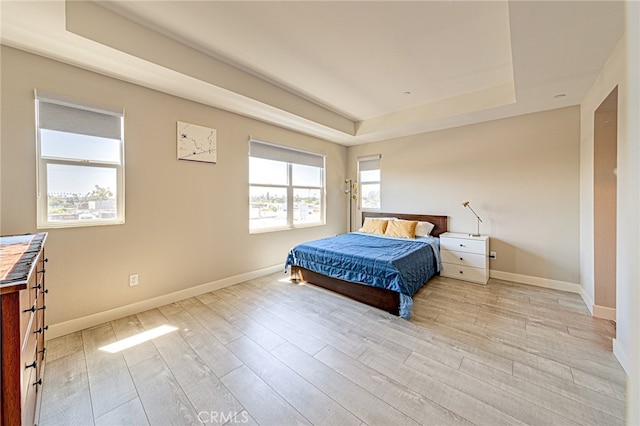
x=286, y=187
x=80, y=169
x=369, y=182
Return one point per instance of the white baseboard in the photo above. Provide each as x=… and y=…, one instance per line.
x=71, y=326
x=596, y=310
x=536, y=281
x=603, y=312
x=622, y=357
x=587, y=300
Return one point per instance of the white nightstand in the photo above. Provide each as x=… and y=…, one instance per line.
x=465, y=257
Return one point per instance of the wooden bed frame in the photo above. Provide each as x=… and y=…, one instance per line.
x=381, y=298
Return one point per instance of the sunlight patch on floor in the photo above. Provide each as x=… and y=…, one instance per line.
x=136, y=339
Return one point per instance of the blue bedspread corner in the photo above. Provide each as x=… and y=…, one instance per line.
x=406, y=306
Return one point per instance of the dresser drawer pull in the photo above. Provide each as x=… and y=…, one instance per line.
x=37, y=287
x=42, y=271
x=43, y=308
x=43, y=351
x=31, y=309
x=461, y=259
x=41, y=330
x=461, y=272
x=46, y=259
x=462, y=245
x=32, y=365
x=45, y=291
x=39, y=382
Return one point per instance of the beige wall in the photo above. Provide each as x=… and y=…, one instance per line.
x=186, y=222
x=520, y=174
x=628, y=292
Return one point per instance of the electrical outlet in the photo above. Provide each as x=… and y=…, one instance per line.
x=493, y=255
x=133, y=280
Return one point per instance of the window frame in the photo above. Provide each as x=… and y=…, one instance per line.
x=290, y=188
x=43, y=162
x=360, y=162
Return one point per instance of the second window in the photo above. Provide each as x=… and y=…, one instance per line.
x=286, y=187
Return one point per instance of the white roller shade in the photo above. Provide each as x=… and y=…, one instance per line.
x=371, y=162
x=269, y=151
x=62, y=114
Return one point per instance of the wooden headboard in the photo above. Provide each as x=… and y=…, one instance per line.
x=440, y=222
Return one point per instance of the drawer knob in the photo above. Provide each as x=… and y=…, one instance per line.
x=37, y=287
x=461, y=259
x=34, y=364
x=461, y=272
x=46, y=259
x=41, y=330
x=42, y=271
x=462, y=245
x=39, y=382
x=46, y=291
x=43, y=351
x=43, y=308
x=31, y=309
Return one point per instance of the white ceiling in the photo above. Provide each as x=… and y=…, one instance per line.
x=337, y=70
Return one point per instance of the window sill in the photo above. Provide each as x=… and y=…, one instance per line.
x=285, y=228
x=79, y=224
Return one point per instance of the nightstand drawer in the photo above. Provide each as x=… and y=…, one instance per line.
x=465, y=259
x=465, y=245
x=464, y=273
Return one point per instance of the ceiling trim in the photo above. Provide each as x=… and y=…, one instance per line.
x=466, y=103
x=94, y=22
x=122, y=45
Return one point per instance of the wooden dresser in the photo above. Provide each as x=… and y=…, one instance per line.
x=22, y=291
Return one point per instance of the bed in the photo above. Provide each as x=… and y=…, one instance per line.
x=390, y=286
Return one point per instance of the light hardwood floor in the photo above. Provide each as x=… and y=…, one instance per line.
x=271, y=352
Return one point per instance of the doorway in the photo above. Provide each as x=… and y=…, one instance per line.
x=605, y=206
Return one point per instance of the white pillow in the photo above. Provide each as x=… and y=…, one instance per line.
x=424, y=229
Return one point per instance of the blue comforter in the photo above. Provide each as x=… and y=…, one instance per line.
x=396, y=264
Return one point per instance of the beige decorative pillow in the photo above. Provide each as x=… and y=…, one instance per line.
x=375, y=226
x=401, y=229
x=368, y=219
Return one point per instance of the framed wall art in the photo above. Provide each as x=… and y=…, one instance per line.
x=196, y=143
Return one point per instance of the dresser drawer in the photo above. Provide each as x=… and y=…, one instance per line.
x=465, y=259
x=463, y=245
x=29, y=364
x=464, y=273
x=27, y=308
x=29, y=396
x=30, y=339
x=40, y=339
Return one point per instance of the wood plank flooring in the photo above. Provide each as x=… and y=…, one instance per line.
x=271, y=352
